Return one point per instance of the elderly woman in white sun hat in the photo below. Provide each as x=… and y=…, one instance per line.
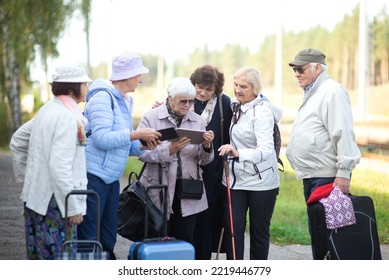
x=111, y=139
x=49, y=161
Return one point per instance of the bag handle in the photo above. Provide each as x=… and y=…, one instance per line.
x=83, y=192
x=133, y=173
x=163, y=188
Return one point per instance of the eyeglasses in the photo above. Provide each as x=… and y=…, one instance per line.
x=185, y=101
x=300, y=70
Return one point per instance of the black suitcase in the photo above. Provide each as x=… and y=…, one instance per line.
x=97, y=252
x=354, y=242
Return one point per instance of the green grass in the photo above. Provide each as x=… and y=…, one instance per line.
x=133, y=164
x=289, y=222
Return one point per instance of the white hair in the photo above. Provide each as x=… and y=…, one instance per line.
x=323, y=66
x=181, y=87
x=252, y=77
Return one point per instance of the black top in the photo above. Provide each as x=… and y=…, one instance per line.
x=212, y=172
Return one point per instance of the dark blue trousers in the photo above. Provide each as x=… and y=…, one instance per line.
x=109, y=201
x=260, y=205
x=309, y=186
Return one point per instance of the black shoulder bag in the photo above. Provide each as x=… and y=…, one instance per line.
x=189, y=188
x=132, y=207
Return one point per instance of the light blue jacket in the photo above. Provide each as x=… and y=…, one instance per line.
x=110, y=124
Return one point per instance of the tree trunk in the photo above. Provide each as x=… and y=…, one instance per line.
x=345, y=62
x=384, y=70
x=15, y=97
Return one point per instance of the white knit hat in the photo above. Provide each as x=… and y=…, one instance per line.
x=72, y=73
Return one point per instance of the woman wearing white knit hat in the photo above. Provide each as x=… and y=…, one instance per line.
x=49, y=162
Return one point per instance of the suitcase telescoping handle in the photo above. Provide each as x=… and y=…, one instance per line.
x=163, y=188
x=84, y=192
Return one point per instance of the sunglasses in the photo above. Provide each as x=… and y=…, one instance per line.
x=300, y=70
x=185, y=101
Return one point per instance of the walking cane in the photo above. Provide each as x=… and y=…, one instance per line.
x=227, y=171
x=219, y=246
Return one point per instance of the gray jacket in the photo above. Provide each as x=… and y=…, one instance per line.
x=322, y=141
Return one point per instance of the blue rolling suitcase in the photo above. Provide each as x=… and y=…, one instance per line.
x=161, y=248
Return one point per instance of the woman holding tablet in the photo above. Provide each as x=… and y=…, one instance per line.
x=171, y=158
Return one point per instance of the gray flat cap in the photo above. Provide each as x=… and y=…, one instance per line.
x=306, y=56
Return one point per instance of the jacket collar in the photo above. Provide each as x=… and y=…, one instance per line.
x=245, y=107
x=164, y=114
x=315, y=85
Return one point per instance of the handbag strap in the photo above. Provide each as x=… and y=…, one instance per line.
x=221, y=119
x=143, y=169
x=160, y=173
x=179, y=170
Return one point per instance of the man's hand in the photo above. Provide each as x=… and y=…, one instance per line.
x=343, y=184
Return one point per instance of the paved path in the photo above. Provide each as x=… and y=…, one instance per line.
x=12, y=245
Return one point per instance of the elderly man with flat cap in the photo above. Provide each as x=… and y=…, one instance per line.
x=322, y=147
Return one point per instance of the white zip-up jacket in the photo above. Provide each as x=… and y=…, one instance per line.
x=322, y=141
x=252, y=135
x=49, y=160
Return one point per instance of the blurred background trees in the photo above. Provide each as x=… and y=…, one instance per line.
x=30, y=30
x=339, y=45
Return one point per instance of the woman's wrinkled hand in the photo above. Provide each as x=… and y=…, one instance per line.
x=76, y=219
x=156, y=104
x=228, y=150
x=148, y=134
x=151, y=145
x=208, y=138
x=178, y=145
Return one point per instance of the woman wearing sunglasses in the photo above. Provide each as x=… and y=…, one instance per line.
x=177, y=157
x=253, y=170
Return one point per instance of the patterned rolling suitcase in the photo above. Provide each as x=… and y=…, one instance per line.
x=161, y=248
x=97, y=251
x=354, y=242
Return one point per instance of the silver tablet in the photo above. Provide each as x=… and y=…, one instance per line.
x=196, y=136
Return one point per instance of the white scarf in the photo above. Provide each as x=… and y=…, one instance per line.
x=208, y=110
